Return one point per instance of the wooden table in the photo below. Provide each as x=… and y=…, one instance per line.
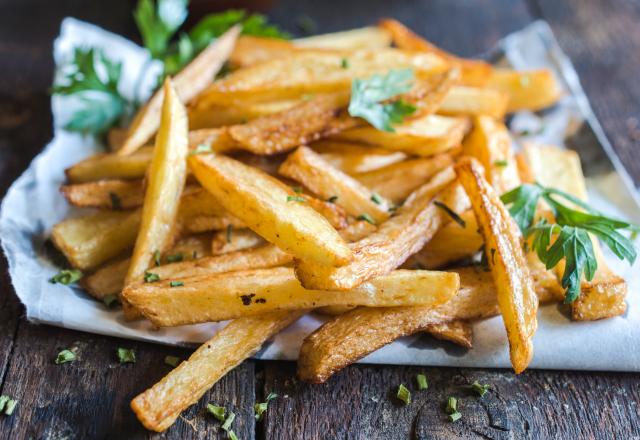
x=90, y=398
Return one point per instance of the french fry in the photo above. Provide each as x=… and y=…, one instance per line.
x=357, y=230
x=335, y=214
x=233, y=240
x=424, y=136
x=529, y=90
x=394, y=241
x=91, y=240
x=308, y=121
x=251, y=50
x=159, y=406
x=189, y=82
x=313, y=71
x=354, y=39
x=216, y=116
x=352, y=158
x=473, y=101
x=396, y=181
x=310, y=169
x=237, y=294
x=458, y=332
x=106, y=194
x=354, y=334
x=111, y=166
x=474, y=72
x=109, y=278
x=514, y=285
x=199, y=211
x=334, y=310
x=490, y=143
x=269, y=208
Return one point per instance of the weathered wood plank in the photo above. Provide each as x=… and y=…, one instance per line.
x=89, y=398
x=602, y=38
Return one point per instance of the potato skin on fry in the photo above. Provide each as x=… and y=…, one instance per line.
x=265, y=205
x=514, y=285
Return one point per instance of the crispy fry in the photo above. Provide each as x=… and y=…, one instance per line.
x=251, y=50
x=309, y=168
x=313, y=71
x=424, y=136
x=529, y=90
x=236, y=294
x=199, y=212
x=398, y=180
x=357, y=230
x=508, y=264
x=111, y=166
x=473, y=101
x=351, y=336
x=266, y=206
x=334, y=310
x=216, y=116
x=334, y=213
x=191, y=80
x=458, y=332
x=352, y=158
x=159, y=406
x=109, y=194
x=474, y=72
x=354, y=39
x=233, y=240
x=394, y=241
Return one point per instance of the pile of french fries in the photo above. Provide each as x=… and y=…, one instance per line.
x=257, y=198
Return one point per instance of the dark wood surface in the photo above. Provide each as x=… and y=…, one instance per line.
x=90, y=398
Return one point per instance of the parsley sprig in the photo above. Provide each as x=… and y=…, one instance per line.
x=368, y=98
x=568, y=238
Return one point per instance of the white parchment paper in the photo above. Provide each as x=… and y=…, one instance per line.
x=33, y=205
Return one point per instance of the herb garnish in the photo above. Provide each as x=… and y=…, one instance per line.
x=295, y=199
x=404, y=394
x=126, y=356
x=7, y=404
x=375, y=198
x=500, y=163
x=175, y=258
x=451, y=213
x=110, y=300
x=367, y=218
x=228, y=421
x=65, y=356
x=480, y=388
x=332, y=199
x=421, y=379
x=176, y=284
x=260, y=408
x=229, y=232
x=156, y=257
x=66, y=277
x=344, y=63
x=174, y=361
x=368, y=98
x=150, y=277
x=452, y=409
x=571, y=231
x=217, y=411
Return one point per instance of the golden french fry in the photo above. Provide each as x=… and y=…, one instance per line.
x=528, y=90
x=514, y=285
x=189, y=82
x=232, y=295
x=93, y=239
x=334, y=213
x=473, y=101
x=251, y=50
x=458, y=332
x=357, y=230
x=314, y=71
x=490, y=143
x=308, y=121
x=334, y=310
x=354, y=39
x=354, y=334
x=474, y=72
x=233, y=240
x=111, y=166
x=109, y=194
x=270, y=208
x=309, y=168
x=352, y=158
x=423, y=136
x=159, y=406
x=398, y=180
x=166, y=180
x=216, y=116
x=395, y=240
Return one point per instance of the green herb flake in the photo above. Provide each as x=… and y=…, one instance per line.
x=369, y=96
x=3, y=402
x=480, y=388
x=297, y=189
x=116, y=203
x=229, y=232
x=295, y=199
x=228, y=421
x=454, y=417
x=150, y=277
x=451, y=213
x=156, y=257
x=65, y=356
x=367, y=218
x=332, y=199
x=200, y=149
x=375, y=198
x=452, y=405
x=404, y=394
x=217, y=411
x=126, y=356
x=176, y=284
x=175, y=258
x=500, y=163
x=173, y=361
x=344, y=63
x=10, y=406
x=66, y=277
x=231, y=435
x=260, y=408
x=421, y=379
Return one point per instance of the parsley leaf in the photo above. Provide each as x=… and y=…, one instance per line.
x=159, y=22
x=126, y=356
x=66, y=277
x=368, y=96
